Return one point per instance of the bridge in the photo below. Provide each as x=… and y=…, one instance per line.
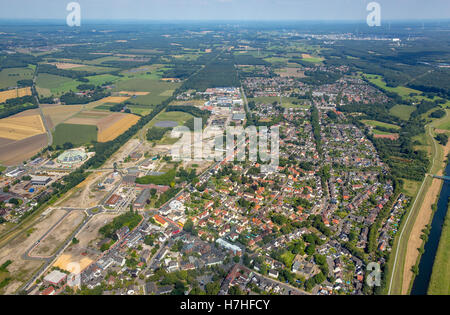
x=441, y=177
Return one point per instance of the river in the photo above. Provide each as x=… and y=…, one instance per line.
x=422, y=280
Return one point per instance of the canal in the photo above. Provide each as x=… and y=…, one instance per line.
x=422, y=280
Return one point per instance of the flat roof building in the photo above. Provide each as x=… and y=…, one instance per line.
x=40, y=180
x=55, y=277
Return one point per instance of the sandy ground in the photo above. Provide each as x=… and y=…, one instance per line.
x=423, y=218
x=20, y=269
x=85, y=252
x=50, y=244
x=84, y=196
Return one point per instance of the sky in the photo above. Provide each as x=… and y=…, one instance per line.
x=299, y=10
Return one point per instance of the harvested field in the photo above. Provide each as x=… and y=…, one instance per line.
x=113, y=99
x=113, y=126
x=6, y=95
x=20, y=127
x=60, y=113
x=50, y=244
x=65, y=66
x=134, y=93
x=15, y=152
x=110, y=125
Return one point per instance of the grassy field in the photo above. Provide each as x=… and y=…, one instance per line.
x=402, y=111
x=410, y=187
x=102, y=79
x=159, y=91
x=58, y=85
x=179, y=117
x=9, y=77
x=437, y=156
x=76, y=134
x=440, y=278
x=400, y=90
x=374, y=123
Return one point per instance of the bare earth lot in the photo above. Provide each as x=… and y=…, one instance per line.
x=85, y=251
x=22, y=269
x=50, y=244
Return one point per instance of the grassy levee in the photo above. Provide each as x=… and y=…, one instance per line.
x=396, y=263
x=440, y=278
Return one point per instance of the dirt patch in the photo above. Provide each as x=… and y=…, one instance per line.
x=50, y=244
x=21, y=269
x=85, y=252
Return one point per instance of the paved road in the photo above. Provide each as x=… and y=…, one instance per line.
x=41, y=112
x=48, y=261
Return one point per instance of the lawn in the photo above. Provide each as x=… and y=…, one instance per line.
x=402, y=111
x=75, y=134
x=410, y=187
x=440, y=278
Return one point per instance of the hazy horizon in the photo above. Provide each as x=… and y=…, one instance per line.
x=225, y=10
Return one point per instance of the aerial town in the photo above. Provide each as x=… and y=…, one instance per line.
x=225, y=160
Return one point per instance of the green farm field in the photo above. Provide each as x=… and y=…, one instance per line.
x=9, y=77
x=159, y=91
x=402, y=111
x=75, y=134
x=57, y=85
